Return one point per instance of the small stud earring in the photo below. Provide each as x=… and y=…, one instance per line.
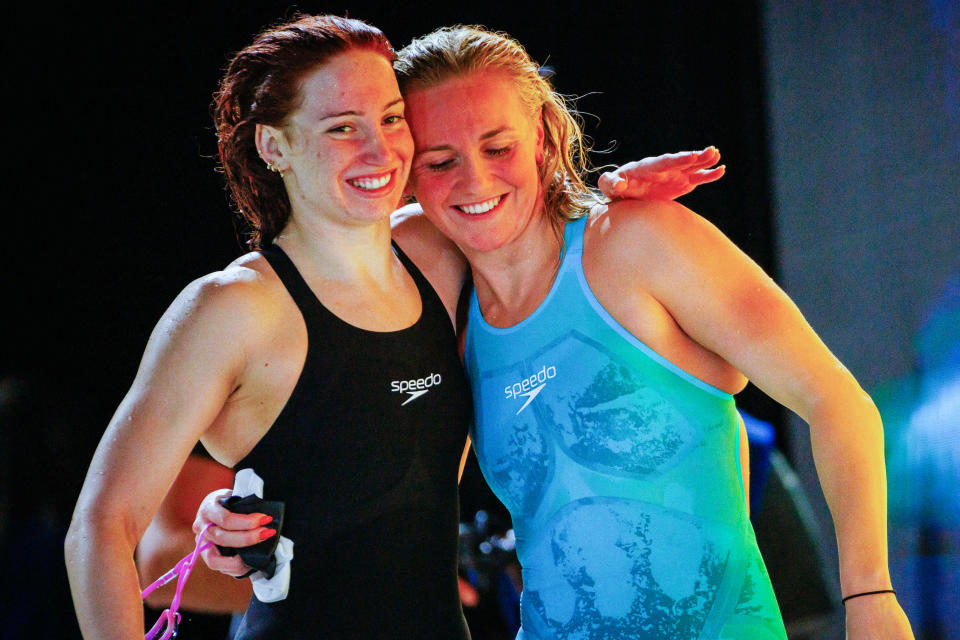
x=273, y=167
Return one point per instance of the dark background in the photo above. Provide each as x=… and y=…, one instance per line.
x=118, y=204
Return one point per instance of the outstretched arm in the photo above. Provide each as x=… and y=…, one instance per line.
x=663, y=177
x=724, y=301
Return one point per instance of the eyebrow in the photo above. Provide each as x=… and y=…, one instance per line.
x=358, y=113
x=445, y=147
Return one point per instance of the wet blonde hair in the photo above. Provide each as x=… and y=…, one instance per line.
x=460, y=50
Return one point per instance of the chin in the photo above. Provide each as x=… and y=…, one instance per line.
x=483, y=245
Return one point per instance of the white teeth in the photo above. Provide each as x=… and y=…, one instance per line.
x=369, y=184
x=480, y=207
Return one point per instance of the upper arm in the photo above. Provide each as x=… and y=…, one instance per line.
x=190, y=366
x=725, y=302
x=440, y=260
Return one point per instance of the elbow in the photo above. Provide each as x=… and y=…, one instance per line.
x=92, y=531
x=79, y=541
x=79, y=534
x=72, y=543
x=844, y=402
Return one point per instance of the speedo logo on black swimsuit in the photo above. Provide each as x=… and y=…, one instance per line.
x=415, y=388
x=531, y=386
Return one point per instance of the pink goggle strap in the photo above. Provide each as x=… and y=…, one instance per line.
x=170, y=618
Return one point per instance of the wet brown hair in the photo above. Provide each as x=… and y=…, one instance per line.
x=262, y=86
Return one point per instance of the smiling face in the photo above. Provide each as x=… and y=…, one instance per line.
x=345, y=151
x=475, y=164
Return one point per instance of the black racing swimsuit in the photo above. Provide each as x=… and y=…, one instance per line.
x=365, y=455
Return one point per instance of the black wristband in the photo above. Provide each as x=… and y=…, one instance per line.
x=867, y=593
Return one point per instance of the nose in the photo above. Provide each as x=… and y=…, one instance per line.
x=377, y=151
x=475, y=178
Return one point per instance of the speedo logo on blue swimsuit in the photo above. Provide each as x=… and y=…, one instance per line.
x=415, y=388
x=530, y=387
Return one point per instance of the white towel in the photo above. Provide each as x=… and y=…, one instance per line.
x=273, y=589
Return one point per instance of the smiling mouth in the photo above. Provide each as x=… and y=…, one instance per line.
x=476, y=208
x=371, y=183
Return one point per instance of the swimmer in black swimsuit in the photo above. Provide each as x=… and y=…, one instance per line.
x=316, y=152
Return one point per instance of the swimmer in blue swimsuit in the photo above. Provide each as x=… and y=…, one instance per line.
x=604, y=354
x=629, y=511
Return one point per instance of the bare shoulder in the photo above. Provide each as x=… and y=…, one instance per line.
x=222, y=311
x=647, y=234
x=671, y=252
x=440, y=260
x=225, y=296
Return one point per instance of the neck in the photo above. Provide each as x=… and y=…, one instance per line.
x=513, y=280
x=332, y=251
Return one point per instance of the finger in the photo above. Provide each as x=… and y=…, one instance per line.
x=683, y=160
x=710, y=154
x=232, y=565
x=672, y=161
x=704, y=159
x=238, y=539
x=610, y=183
x=704, y=176
x=243, y=521
x=212, y=511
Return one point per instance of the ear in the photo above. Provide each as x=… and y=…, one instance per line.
x=271, y=145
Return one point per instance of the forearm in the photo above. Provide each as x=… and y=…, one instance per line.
x=847, y=441
x=103, y=581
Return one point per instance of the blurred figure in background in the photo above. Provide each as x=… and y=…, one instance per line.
x=922, y=414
